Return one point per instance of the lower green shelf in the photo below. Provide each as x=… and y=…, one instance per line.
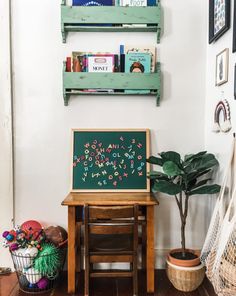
x=75, y=83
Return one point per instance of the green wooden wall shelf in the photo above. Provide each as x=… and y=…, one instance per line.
x=74, y=83
x=78, y=18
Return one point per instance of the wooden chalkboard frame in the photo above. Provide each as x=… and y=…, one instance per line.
x=147, y=133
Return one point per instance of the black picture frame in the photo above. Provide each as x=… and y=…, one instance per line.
x=234, y=29
x=213, y=36
x=235, y=81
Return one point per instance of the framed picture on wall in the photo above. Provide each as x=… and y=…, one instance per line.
x=234, y=29
x=222, y=64
x=219, y=18
x=235, y=81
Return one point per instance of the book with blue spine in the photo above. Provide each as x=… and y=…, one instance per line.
x=91, y=2
x=137, y=62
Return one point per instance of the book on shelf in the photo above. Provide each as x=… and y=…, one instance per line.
x=100, y=63
x=78, y=61
x=136, y=3
x=143, y=49
x=133, y=2
x=68, y=64
x=92, y=2
x=136, y=62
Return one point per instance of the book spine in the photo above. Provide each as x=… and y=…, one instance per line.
x=116, y=63
x=122, y=58
x=122, y=62
x=68, y=64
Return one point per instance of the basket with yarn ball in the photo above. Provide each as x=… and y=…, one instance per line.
x=38, y=254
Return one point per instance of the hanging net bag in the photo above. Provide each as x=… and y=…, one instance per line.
x=221, y=262
x=219, y=250
x=219, y=210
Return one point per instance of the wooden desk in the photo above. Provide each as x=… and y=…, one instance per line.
x=79, y=199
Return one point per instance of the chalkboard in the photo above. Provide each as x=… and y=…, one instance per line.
x=110, y=160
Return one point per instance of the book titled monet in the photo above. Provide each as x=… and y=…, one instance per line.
x=137, y=63
x=101, y=63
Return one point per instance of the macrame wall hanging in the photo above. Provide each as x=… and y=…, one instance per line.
x=222, y=117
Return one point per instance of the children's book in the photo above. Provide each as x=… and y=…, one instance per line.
x=91, y=2
x=143, y=49
x=100, y=63
x=133, y=2
x=78, y=61
x=137, y=63
x=136, y=2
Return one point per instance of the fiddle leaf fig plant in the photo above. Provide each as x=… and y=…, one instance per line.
x=183, y=178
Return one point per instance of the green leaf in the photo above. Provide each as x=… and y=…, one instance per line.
x=157, y=176
x=189, y=157
x=171, y=156
x=192, y=176
x=167, y=187
x=204, y=162
x=155, y=160
x=207, y=189
x=171, y=169
x=201, y=183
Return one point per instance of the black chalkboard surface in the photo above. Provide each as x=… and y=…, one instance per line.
x=110, y=160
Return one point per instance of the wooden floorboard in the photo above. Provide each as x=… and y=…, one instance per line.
x=108, y=287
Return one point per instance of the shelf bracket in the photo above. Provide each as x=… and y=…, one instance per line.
x=158, y=98
x=66, y=98
x=158, y=35
x=63, y=33
x=65, y=95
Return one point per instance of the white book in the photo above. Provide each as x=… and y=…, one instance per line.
x=100, y=63
x=133, y=2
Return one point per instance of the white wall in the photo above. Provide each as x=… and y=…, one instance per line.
x=6, y=188
x=219, y=143
x=42, y=134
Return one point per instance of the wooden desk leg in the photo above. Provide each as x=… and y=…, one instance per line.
x=71, y=249
x=150, y=249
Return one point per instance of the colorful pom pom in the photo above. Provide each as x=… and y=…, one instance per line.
x=43, y=283
x=48, y=260
x=10, y=237
x=5, y=234
x=14, y=247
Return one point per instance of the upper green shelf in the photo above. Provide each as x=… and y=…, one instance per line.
x=110, y=19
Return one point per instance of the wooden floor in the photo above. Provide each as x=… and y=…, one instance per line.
x=108, y=287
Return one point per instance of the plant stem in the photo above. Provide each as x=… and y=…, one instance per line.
x=184, y=214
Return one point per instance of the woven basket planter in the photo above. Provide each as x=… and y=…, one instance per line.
x=185, y=279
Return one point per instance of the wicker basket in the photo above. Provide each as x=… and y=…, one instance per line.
x=28, y=276
x=185, y=279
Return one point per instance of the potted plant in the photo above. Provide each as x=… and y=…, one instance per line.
x=182, y=178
